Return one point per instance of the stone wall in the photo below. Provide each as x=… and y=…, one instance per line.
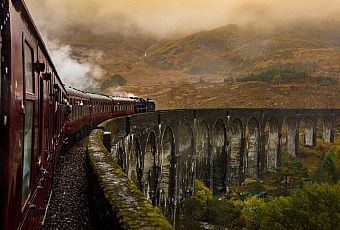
x=117, y=203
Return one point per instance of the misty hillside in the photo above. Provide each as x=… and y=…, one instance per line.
x=233, y=50
x=189, y=72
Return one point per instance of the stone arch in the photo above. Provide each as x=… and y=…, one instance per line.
x=328, y=130
x=203, y=153
x=252, y=154
x=307, y=131
x=219, y=156
x=290, y=130
x=185, y=162
x=149, y=180
x=168, y=171
x=135, y=166
x=319, y=130
x=234, y=163
x=121, y=158
x=337, y=130
x=272, y=144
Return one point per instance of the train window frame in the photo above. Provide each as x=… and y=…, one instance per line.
x=27, y=48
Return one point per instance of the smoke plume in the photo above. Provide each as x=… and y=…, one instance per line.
x=174, y=17
x=81, y=73
x=119, y=91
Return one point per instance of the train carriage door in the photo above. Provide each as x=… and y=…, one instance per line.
x=43, y=121
x=28, y=150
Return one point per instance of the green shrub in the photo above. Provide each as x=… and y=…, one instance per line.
x=115, y=80
x=316, y=206
x=195, y=207
x=329, y=168
x=192, y=209
x=224, y=213
x=278, y=75
x=202, y=193
x=250, y=213
x=326, y=81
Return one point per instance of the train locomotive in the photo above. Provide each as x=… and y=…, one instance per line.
x=37, y=114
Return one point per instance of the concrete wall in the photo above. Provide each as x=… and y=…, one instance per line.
x=163, y=152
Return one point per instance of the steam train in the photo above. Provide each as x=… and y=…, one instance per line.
x=37, y=113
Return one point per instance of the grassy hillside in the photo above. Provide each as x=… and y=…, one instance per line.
x=234, y=50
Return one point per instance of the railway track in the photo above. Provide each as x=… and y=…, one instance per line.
x=69, y=206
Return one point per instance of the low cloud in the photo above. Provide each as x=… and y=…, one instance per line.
x=176, y=17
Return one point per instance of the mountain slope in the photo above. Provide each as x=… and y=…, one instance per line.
x=234, y=50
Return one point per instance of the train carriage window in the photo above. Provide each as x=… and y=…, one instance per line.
x=28, y=147
x=28, y=61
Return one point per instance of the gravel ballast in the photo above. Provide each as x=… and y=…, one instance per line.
x=69, y=206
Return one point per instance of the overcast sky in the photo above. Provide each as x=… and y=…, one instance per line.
x=171, y=17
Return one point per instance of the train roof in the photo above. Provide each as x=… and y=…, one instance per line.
x=76, y=92
x=99, y=97
x=125, y=99
x=138, y=99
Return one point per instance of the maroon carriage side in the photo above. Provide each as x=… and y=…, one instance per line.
x=32, y=119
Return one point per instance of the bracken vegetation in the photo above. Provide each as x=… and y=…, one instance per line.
x=278, y=75
x=115, y=80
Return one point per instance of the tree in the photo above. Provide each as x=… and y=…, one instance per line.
x=293, y=173
x=316, y=206
x=329, y=168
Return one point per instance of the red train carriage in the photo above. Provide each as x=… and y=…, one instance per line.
x=80, y=115
x=123, y=106
x=32, y=119
x=101, y=107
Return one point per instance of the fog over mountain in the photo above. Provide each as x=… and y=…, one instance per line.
x=176, y=17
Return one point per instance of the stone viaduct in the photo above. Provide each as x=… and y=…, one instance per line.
x=165, y=151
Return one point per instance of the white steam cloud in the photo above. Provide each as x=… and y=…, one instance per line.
x=118, y=91
x=79, y=74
